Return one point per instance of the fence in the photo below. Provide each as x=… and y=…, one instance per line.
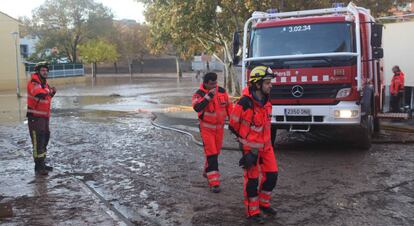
x=198, y=65
x=60, y=70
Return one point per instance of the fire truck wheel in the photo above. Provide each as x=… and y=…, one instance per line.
x=367, y=129
x=377, y=125
x=273, y=134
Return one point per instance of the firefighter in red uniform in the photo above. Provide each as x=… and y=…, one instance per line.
x=39, y=97
x=397, y=89
x=213, y=106
x=250, y=122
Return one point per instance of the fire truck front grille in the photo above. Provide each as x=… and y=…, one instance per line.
x=281, y=118
x=306, y=91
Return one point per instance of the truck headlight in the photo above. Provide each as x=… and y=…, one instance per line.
x=343, y=93
x=346, y=113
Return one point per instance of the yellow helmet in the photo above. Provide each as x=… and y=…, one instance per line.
x=260, y=73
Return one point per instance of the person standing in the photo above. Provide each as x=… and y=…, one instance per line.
x=39, y=97
x=397, y=89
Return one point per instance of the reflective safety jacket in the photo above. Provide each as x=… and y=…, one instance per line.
x=250, y=122
x=397, y=83
x=39, y=97
x=212, y=111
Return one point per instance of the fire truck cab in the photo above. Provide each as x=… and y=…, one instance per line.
x=327, y=65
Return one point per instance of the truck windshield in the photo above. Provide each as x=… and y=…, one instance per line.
x=302, y=39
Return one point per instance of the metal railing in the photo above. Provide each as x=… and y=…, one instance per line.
x=60, y=70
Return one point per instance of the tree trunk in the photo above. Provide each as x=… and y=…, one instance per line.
x=130, y=67
x=179, y=72
x=141, y=63
x=141, y=66
x=225, y=73
x=95, y=64
x=230, y=87
x=116, y=67
x=74, y=58
x=233, y=83
x=93, y=70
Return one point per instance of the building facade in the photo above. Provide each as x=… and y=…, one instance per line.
x=12, y=71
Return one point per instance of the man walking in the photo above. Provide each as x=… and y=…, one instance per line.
x=213, y=106
x=250, y=122
x=39, y=97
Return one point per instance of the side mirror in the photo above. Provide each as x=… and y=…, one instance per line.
x=378, y=53
x=236, y=47
x=376, y=35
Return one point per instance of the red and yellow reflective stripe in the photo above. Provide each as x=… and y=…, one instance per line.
x=257, y=129
x=38, y=99
x=235, y=118
x=251, y=144
x=37, y=112
x=212, y=173
x=264, y=200
x=266, y=192
x=212, y=114
x=211, y=126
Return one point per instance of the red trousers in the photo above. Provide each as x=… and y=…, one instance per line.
x=259, y=181
x=213, y=141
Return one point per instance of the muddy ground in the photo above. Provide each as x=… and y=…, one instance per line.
x=103, y=139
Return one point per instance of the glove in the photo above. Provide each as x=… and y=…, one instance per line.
x=248, y=160
x=211, y=93
x=52, y=91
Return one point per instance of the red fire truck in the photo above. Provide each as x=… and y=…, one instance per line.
x=327, y=65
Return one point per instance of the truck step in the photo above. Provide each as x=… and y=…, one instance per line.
x=393, y=115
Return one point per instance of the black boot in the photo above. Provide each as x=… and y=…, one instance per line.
x=48, y=168
x=40, y=167
x=257, y=219
x=36, y=168
x=215, y=189
x=268, y=211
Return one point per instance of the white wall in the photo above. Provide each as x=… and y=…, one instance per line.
x=398, y=43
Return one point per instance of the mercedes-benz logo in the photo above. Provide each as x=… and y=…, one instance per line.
x=297, y=91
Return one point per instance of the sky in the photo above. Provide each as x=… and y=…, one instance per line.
x=122, y=9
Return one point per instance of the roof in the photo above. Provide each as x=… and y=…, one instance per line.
x=10, y=17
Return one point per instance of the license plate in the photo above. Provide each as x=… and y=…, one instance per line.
x=297, y=111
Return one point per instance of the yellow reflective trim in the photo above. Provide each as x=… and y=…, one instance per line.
x=34, y=144
x=42, y=155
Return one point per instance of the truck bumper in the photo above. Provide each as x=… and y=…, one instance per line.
x=344, y=113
